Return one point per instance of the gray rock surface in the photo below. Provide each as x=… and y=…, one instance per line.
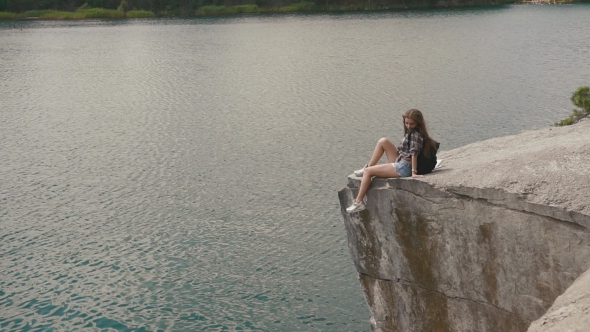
x=570, y=312
x=485, y=244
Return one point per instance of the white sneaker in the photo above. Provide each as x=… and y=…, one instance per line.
x=355, y=207
x=360, y=172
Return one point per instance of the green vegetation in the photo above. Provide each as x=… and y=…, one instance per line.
x=169, y=8
x=313, y=7
x=80, y=9
x=295, y=7
x=581, y=99
x=223, y=10
x=86, y=11
x=102, y=13
x=81, y=13
x=77, y=15
x=214, y=10
x=122, y=6
x=246, y=9
x=9, y=16
x=140, y=14
x=59, y=15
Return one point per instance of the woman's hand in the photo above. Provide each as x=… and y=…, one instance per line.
x=414, y=175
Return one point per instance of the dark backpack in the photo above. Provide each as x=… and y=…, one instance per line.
x=425, y=164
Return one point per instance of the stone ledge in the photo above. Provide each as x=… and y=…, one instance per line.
x=494, y=196
x=544, y=171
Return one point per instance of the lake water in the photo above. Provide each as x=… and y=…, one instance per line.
x=182, y=175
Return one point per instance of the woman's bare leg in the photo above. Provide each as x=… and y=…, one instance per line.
x=384, y=145
x=382, y=171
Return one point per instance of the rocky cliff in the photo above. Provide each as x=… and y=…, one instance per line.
x=485, y=244
x=570, y=312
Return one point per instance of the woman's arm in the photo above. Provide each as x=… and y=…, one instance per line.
x=415, y=167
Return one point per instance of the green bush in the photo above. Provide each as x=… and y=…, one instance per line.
x=140, y=14
x=103, y=13
x=581, y=99
x=245, y=9
x=59, y=15
x=122, y=6
x=77, y=15
x=9, y=16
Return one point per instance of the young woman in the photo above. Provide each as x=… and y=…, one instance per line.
x=402, y=161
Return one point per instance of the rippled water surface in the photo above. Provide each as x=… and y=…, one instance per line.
x=182, y=174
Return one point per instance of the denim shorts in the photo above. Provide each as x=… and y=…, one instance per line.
x=403, y=168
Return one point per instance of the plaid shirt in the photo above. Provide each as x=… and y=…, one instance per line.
x=409, y=148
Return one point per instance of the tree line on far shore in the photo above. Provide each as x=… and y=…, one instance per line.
x=189, y=7
x=79, y=9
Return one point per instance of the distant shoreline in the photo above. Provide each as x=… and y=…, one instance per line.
x=216, y=11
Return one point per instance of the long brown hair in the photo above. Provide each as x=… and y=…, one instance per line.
x=416, y=115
